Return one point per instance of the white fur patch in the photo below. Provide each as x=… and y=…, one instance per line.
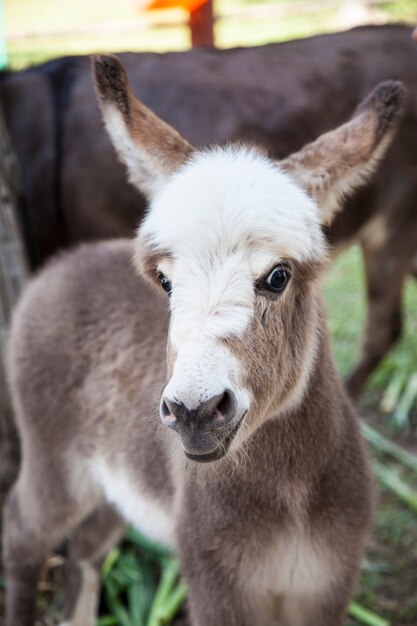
x=204, y=370
x=140, y=171
x=234, y=199
x=135, y=505
x=226, y=218
x=294, y=567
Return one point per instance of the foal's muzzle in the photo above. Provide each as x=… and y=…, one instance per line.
x=207, y=430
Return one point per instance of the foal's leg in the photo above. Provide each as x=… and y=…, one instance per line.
x=90, y=543
x=214, y=600
x=216, y=596
x=37, y=516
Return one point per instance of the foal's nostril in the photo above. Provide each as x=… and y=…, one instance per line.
x=220, y=409
x=227, y=405
x=167, y=411
x=164, y=409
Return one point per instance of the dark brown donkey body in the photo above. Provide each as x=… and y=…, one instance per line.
x=279, y=96
x=259, y=477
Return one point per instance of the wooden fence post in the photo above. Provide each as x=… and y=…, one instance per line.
x=201, y=25
x=13, y=273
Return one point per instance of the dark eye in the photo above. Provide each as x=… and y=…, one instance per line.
x=166, y=284
x=277, y=279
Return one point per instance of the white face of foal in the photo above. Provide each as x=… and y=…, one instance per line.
x=223, y=224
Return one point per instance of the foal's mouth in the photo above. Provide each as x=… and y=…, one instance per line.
x=219, y=452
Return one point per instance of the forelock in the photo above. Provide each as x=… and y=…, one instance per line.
x=225, y=199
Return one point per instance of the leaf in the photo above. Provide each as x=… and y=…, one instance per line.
x=382, y=444
x=365, y=616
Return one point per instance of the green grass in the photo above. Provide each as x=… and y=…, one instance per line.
x=141, y=585
x=343, y=289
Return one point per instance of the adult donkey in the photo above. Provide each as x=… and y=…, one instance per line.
x=260, y=480
x=280, y=96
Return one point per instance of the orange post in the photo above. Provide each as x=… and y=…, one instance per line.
x=201, y=25
x=201, y=17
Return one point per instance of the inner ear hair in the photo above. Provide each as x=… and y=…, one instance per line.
x=342, y=160
x=148, y=146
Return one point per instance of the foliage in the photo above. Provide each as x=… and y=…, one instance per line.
x=140, y=584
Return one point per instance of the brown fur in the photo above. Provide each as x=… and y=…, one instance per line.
x=272, y=533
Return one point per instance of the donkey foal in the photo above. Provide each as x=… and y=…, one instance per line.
x=260, y=479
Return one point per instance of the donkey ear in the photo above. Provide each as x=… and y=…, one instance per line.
x=150, y=149
x=344, y=159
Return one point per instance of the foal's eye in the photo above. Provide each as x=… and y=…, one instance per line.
x=166, y=284
x=277, y=279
